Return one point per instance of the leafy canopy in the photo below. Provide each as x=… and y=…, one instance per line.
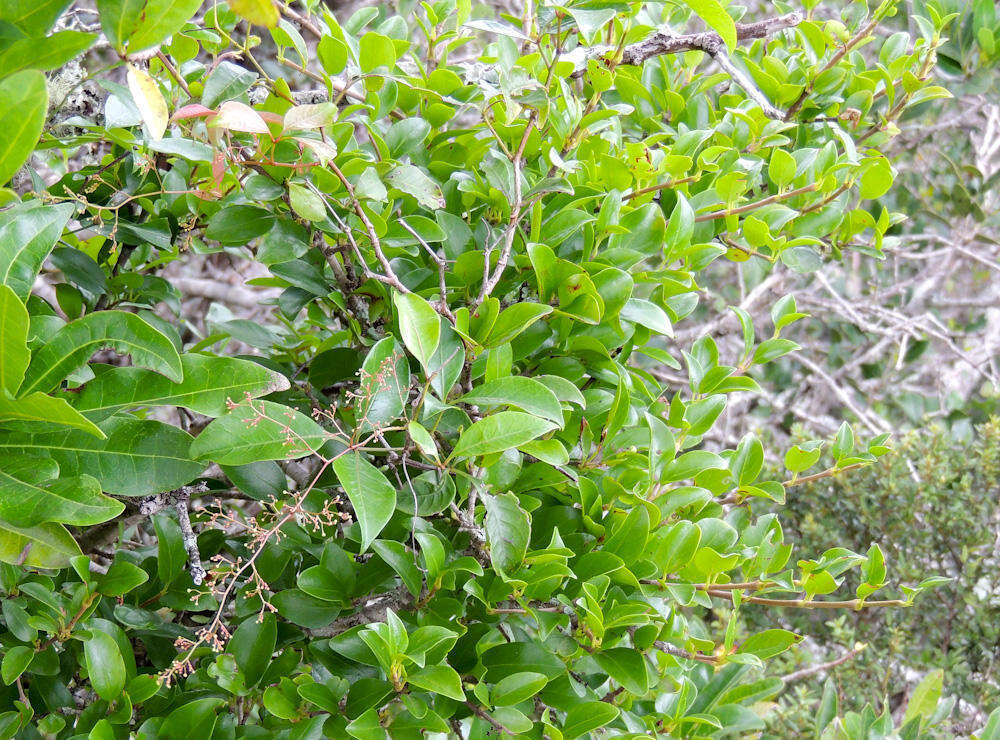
x=457, y=474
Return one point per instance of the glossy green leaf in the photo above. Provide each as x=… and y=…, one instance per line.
x=29, y=496
x=104, y=665
x=499, y=432
x=419, y=326
x=371, y=494
x=24, y=100
x=209, y=384
x=508, y=531
x=525, y=393
x=258, y=430
x=28, y=231
x=137, y=458
x=14, y=354
x=73, y=345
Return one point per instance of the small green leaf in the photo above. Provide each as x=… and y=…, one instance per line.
x=419, y=326
x=525, y=393
x=508, y=531
x=104, y=665
x=371, y=494
x=15, y=661
x=439, y=679
x=502, y=431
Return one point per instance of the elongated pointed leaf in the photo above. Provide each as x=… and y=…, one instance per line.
x=525, y=393
x=34, y=17
x=44, y=546
x=73, y=345
x=258, y=430
x=371, y=494
x=28, y=231
x=208, y=384
x=28, y=496
x=385, y=383
x=14, y=354
x=24, y=98
x=139, y=456
x=160, y=19
x=500, y=432
x=419, y=326
x=45, y=409
x=508, y=530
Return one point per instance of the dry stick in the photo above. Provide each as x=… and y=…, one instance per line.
x=187, y=532
x=173, y=72
x=661, y=43
x=841, y=53
x=777, y=197
x=819, y=668
x=390, y=276
x=804, y=604
x=515, y=216
x=442, y=307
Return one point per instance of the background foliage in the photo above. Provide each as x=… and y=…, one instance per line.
x=374, y=375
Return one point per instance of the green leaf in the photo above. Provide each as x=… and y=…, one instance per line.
x=139, y=456
x=105, y=665
x=513, y=320
x=499, y=432
x=160, y=19
x=385, y=383
x=119, y=19
x=419, y=326
x=515, y=657
x=258, y=12
x=648, y=314
x=371, y=494
x=714, y=14
x=28, y=231
x=44, y=546
x=413, y=181
x=15, y=661
x=239, y=225
x=876, y=178
x=627, y=667
x=121, y=577
x=208, y=385
x=439, y=679
x=400, y=560
x=28, y=496
x=14, y=354
x=769, y=643
x=170, y=551
x=781, y=168
x=516, y=688
x=258, y=430
x=508, y=531
x=24, y=100
x=34, y=18
x=588, y=716
x=253, y=646
x=46, y=409
x=527, y=394
x=45, y=53
x=925, y=697
x=74, y=344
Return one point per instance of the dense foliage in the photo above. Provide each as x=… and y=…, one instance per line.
x=933, y=504
x=440, y=483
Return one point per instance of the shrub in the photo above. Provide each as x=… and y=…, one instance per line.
x=437, y=482
x=934, y=507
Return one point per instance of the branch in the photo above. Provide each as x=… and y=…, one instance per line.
x=804, y=604
x=181, y=498
x=708, y=41
x=819, y=668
